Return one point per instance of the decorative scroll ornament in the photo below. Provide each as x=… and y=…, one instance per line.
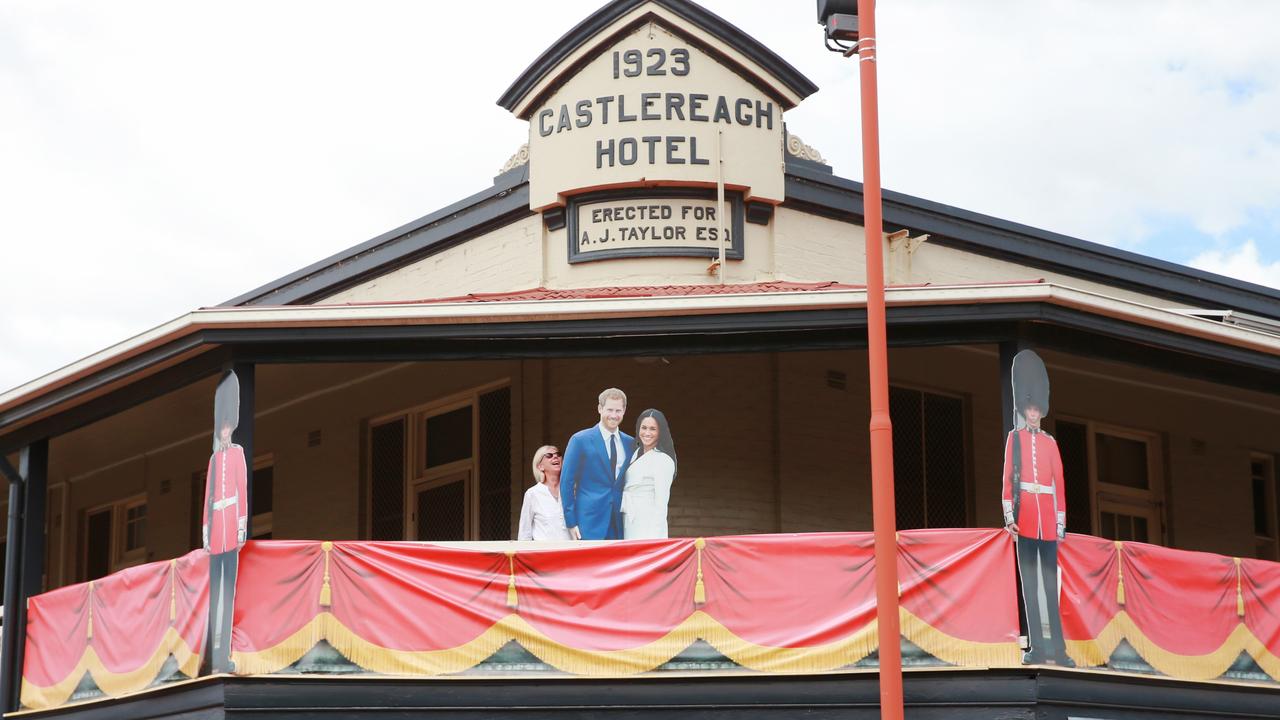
x=520, y=158
x=798, y=148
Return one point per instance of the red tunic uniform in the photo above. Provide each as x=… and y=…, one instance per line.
x=226, y=500
x=1043, y=505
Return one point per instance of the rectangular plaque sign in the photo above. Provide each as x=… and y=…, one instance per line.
x=655, y=224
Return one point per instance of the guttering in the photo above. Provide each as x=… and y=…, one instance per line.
x=392, y=314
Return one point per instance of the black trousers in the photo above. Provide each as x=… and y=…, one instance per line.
x=222, y=597
x=1038, y=562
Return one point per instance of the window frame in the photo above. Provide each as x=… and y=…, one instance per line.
x=966, y=442
x=128, y=557
x=119, y=558
x=417, y=476
x=1149, y=502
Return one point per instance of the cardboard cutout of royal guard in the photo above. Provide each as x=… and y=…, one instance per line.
x=1035, y=506
x=225, y=520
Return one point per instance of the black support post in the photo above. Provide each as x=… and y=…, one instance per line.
x=24, y=569
x=12, y=577
x=243, y=435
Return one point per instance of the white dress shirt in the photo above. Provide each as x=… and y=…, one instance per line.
x=542, y=516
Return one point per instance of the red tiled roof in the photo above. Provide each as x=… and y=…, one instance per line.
x=640, y=291
x=654, y=291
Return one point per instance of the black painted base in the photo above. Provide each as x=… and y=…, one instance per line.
x=1031, y=693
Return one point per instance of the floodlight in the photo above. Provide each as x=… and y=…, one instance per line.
x=840, y=18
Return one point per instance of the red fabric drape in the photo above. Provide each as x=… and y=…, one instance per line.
x=621, y=607
x=1260, y=596
x=130, y=615
x=1187, y=614
x=768, y=602
x=277, y=590
x=606, y=597
x=961, y=582
x=119, y=629
x=1184, y=602
x=1090, y=577
x=822, y=584
x=191, y=610
x=57, y=634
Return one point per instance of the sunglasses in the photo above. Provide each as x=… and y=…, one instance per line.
x=548, y=456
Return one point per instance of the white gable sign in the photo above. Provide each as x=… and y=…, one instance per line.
x=651, y=109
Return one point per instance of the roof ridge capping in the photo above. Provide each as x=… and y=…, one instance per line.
x=589, y=29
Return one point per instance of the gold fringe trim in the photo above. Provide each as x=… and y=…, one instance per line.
x=699, y=588
x=512, y=600
x=698, y=626
x=1211, y=665
x=111, y=683
x=568, y=659
x=326, y=595
x=954, y=650
x=1239, y=593
x=1119, y=573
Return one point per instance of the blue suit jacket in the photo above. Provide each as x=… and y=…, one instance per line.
x=590, y=492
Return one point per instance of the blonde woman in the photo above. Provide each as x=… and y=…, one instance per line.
x=542, y=516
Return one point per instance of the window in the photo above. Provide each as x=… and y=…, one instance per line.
x=135, y=530
x=1112, y=478
x=113, y=537
x=440, y=492
x=929, y=465
x=1262, y=477
x=442, y=471
x=387, y=465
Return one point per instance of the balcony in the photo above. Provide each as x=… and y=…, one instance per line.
x=740, y=611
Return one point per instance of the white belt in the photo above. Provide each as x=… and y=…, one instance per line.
x=1034, y=488
x=225, y=502
x=634, y=499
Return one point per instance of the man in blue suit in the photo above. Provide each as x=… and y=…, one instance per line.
x=593, y=472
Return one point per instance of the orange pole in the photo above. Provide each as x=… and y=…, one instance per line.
x=882, y=504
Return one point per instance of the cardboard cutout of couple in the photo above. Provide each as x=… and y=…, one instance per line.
x=1035, y=507
x=613, y=487
x=225, y=523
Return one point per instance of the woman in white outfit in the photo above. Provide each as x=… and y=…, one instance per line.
x=542, y=516
x=649, y=478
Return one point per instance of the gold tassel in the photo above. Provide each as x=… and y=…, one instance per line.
x=1239, y=593
x=325, y=593
x=90, y=633
x=511, y=580
x=699, y=589
x=173, y=591
x=1119, y=573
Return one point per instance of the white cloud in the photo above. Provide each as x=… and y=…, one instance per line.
x=1242, y=262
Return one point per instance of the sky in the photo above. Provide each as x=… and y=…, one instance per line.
x=157, y=157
